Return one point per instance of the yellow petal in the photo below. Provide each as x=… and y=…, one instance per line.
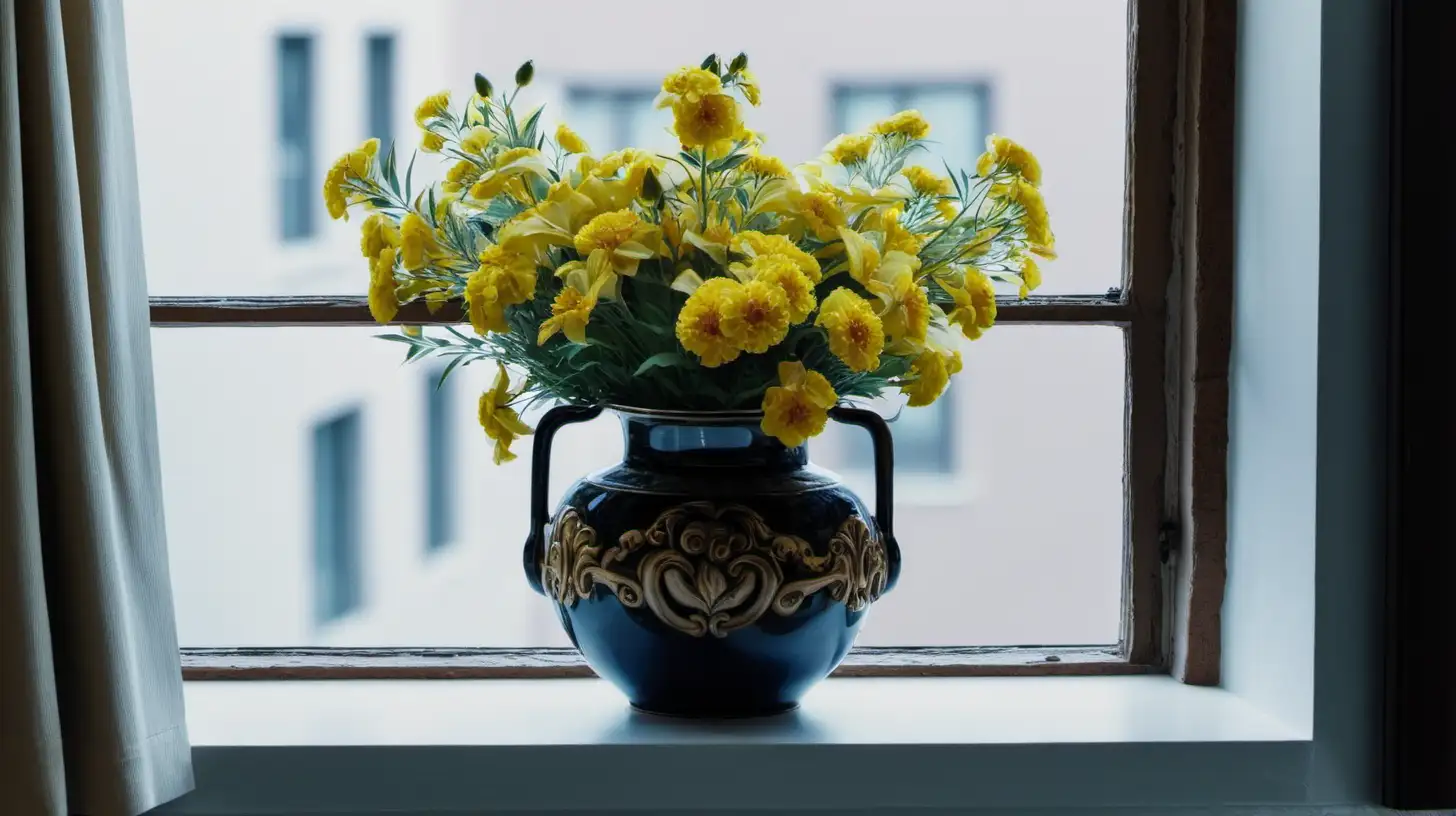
x=687, y=282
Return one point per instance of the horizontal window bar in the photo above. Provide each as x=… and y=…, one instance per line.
x=352, y=310
x=400, y=664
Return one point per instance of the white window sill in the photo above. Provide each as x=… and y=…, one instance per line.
x=379, y=746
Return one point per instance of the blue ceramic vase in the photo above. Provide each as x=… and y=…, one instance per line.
x=714, y=572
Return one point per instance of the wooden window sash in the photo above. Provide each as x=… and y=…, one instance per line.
x=1174, y=308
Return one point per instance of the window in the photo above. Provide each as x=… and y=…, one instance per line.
x=296, y=171
x=1068, y=552
x=337, y=504
x=379, y=55
x=611, y=119
x=439, y=422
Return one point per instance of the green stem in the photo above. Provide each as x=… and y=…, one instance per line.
x=703, y=189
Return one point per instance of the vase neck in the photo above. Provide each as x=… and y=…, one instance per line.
x=680, y=441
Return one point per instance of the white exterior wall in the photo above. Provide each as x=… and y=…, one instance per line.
x=1022, y=541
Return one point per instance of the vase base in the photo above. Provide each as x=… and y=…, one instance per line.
x=708, y=713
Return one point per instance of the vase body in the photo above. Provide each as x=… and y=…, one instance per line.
x=713, y=572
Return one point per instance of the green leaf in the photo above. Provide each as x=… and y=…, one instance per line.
x=690, y=159
x=459, y=359
x=742, y=195
x=728, y=162
x=528, y=130
x=665, y=359
x=390, y=175
x=409, y=174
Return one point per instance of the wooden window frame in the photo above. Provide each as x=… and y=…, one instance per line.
x=1174, y=305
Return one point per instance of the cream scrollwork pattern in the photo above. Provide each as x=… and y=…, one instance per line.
x=708, y=569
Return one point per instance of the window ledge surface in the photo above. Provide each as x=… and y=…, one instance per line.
x=376, y=746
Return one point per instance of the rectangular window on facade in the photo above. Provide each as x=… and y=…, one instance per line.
x=439, y=462
x=611, y=119
x=379, y=69
x=924, y=437
x=297, y=196
x=337, y=510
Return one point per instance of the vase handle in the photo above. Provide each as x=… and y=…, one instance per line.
x=554, y=420
x=884, y=444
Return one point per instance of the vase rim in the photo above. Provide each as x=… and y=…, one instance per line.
x=715, y=416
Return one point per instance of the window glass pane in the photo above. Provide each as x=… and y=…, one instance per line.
x=593, y=116
x=441, y=408
x=858, y=108
x=959, y=120
x=1060, y=88
x=336, y=516
x=296, y=204
x=380, y=72
x=1019, y=542
x=648, y=127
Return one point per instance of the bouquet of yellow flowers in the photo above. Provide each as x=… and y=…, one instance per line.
x=713, y=279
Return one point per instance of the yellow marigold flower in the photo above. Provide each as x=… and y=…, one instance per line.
x=514, y=273
x=849, y=149
x=926, y=182
x=499, y=419
x=352, y=166
x=460, y=176
x=477, y=139
x=692, y=84
x=362, y=158
x=748, y=83
x=433, y=107
x=334, y=197
x=758, y=318
x=712, y=118
x=909, y=124
x=570, y=141
x=617, y=242
x=904, y=307
x=798, y=407
x=700, y=323
x=482, y=301
x=1038, y=223
x=856, y=335
x=783, y=272
x=758, y=164
x=1030, y=277
x=504, y=278
x=431, y=142
x=377, y=232
x=818, y=212
x=975, y=303
x=752, y=243
x=571, y=311
x=928, y=377
x=1001, y=150
x=383, y=302
x=417, y=243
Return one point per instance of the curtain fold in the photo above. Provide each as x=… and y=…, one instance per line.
x=91, y=712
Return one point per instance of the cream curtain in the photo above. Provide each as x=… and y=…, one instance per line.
x=91, y=715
